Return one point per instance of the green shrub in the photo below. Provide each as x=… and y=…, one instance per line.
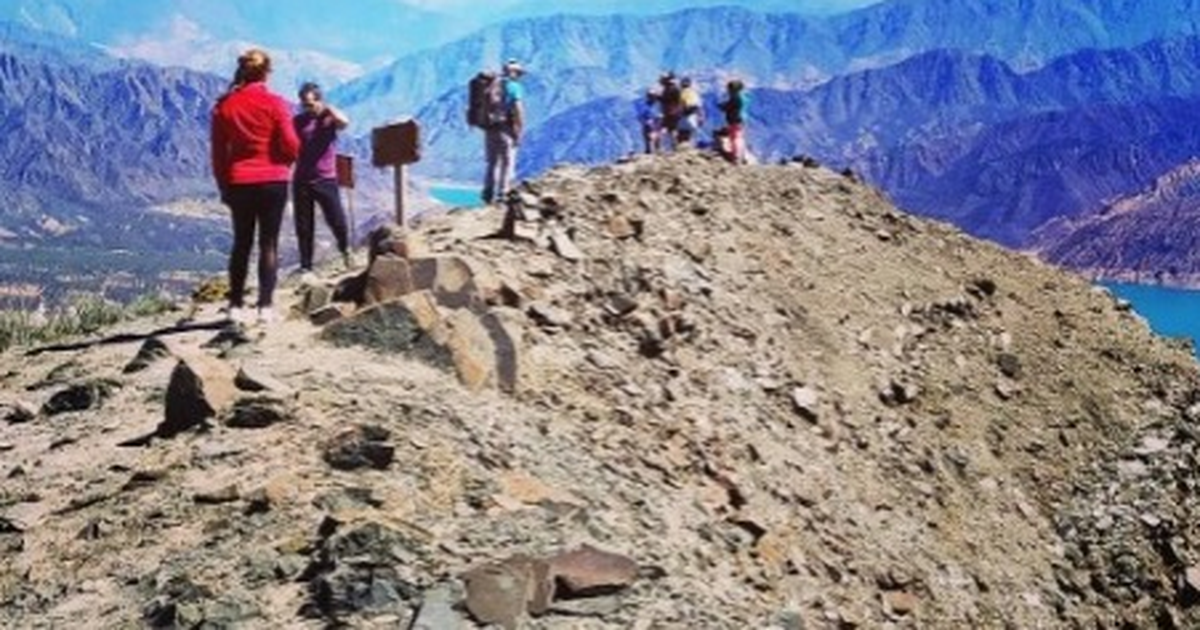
x=85, y=315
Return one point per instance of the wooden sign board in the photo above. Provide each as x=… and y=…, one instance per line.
x=396, y=145
x=345, y=170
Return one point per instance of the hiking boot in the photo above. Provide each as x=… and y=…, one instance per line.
x=348, y=261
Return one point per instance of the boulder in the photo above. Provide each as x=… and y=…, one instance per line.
x=201, y=387
x=449, y=278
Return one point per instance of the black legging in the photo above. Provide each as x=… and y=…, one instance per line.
x=324, y=193
x=253, y=205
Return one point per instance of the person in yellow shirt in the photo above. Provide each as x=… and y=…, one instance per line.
x=693, y=112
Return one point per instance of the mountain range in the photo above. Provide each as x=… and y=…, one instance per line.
x=331, y=43
x=88, y=146
x=1150, y=236
x=1001, y=117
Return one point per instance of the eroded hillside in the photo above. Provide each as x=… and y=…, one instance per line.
x=787, y=402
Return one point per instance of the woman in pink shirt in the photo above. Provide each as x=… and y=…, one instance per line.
x=253, y=148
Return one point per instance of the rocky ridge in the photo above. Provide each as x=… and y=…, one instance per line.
x=741, y=397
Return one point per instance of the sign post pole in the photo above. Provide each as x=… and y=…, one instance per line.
x=397, y=145
x=401, y=177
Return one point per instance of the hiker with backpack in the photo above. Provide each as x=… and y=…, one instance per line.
x=650, y=120
x=253, y=148
x=497, y=106
x=692, y=118
x=315, y=179
x=734, y=107
x=672, y=108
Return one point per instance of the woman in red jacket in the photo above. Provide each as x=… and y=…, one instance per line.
x=253, y=147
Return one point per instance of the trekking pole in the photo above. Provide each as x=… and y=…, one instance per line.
x=353, y=224
x=345, y=179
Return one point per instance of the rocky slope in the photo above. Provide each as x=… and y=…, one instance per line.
x=788, y=403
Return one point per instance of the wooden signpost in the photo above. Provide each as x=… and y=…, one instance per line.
x=397, y=145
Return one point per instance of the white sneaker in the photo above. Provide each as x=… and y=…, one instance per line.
x=237, y=315
x=267, y=315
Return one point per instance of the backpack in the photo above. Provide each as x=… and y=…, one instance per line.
x=486, y=108
x=672, y=101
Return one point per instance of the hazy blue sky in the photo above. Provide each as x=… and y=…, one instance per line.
x=597, y=6
x=338, y=40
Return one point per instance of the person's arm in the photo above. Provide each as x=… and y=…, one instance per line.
x=340, y=119
x=288, y=140
x=518, y=120
x=516, y=113
x=219, y=148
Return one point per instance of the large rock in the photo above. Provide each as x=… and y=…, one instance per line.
x=79, y=397
x=364, y=571
x=394, y=240
x=483, y=350
x=472, y=341
x=589, y=571
x=361, y=447
x=201, y=387
x=502, y=593
x=448, y=278
x=388, y=327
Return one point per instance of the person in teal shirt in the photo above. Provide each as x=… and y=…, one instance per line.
x=503, y=138
x=735, y=108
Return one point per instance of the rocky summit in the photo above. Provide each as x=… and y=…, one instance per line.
x=667, y=393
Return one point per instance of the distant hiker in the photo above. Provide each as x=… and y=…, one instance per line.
x=253, y=148
x=693, y=112
x=315, y=179
x=497, y=105
x=650, y=120
x=734, y=107
x=672, y=107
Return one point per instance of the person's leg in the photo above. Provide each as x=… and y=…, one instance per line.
x=272, y=200
x=740, y=145
x=670, y=129
x=735, y=143
x=493, y=147
x=507, y=166
x=685, y=131
x=302, y=212
x=244, y=215
x=329, y=198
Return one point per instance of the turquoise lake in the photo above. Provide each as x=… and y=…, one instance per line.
x=1170, y=312
x=457, y=196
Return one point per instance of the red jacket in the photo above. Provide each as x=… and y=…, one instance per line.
x=253, y=141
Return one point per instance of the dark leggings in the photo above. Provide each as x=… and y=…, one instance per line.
x=324, y=193
x=254, y=205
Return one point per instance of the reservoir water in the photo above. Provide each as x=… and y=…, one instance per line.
x=1170, y=312
x=457, y=196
